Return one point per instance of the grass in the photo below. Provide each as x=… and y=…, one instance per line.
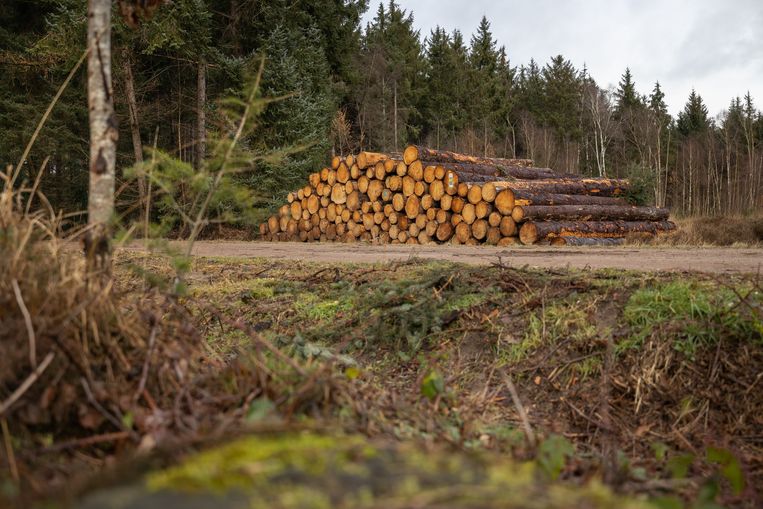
x=694, y=314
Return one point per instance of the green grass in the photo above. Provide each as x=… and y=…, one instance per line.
x=694, y=314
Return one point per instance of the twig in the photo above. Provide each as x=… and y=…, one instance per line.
x=31, y=379
x=149, y=354
x=584, y=416
x=520, y=410
x=28, y=322
x=81, y=442
x=9, y=451
x=113, y=420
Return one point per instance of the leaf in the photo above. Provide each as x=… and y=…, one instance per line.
x=553, y=454
x=678, y=466
x=667, y=502
x=730, y=467
x=352, y=373
x=432, y=385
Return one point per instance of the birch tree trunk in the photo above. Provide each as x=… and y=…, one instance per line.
x=201, y=117
x=103, y=132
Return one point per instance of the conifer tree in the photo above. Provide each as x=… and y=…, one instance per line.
x=694, y=117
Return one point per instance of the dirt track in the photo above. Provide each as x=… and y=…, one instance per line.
x=717, y=260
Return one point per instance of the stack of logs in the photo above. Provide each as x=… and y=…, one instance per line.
x=425, y=195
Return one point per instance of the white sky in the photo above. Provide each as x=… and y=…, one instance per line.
x=715, y=46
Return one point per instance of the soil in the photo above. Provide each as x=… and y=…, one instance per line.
x=714, y=260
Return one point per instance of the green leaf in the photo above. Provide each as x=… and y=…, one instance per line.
x=352, y=373
x=553, y=454
x=667, y=502
x=730, y=467
x=678, y=466
x=432, y=385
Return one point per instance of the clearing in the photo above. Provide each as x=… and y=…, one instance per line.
x=648, y=381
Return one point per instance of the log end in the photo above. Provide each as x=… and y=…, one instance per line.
x=528, y=234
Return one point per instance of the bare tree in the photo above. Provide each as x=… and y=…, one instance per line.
x=598, y=105
x=103, y=132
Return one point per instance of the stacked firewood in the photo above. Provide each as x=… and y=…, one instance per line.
x=425, y=196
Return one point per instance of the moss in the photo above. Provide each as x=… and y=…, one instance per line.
x=307, y=470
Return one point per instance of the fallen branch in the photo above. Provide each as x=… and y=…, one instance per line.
x=28, y=322
x=30, y=380
x=520, y=410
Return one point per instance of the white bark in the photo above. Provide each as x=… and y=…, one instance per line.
x=103, y=124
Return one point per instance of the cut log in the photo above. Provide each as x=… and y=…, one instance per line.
x=588, y=213
x=427, y=202
x=335, y=162
x=419, y=188
x=493, y=236
x=532, y=232
x=599, y=187
x=416, y=170
x=494, y=219
x=353, y=201
x=469, y=213
x=437, y=189
x=463, y=232
x=313, y=204
x=375, y=188
x=380, y=171
x=296, y=210
x=508, y=241
x=444, y=231
x=482, y=209
x=409, y=185
x=479, y=229
x=414, y=152
x=507, y=226
x=412, y=207
x=587, y=241
x=446, y=202
x=475, y=194
x=398, y=202
x=451, y=182
x=526, y=197
x=343, y=173
x=366, y=159
x=489, y=192
x=338, y=193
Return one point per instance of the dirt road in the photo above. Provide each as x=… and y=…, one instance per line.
x=716, y=260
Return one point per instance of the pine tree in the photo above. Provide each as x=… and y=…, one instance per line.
x=694, y=117
x=626, y=96
x=562, y=97
x=483, y=63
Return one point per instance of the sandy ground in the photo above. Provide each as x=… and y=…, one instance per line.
x=715, y=260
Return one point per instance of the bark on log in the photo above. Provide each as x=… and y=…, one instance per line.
x=598, y=187
x=414, y=152
x=525, y=197
x=588, y=213
x=532, y=232
x=587, y=241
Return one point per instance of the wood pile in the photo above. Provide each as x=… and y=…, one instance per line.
x=425, y=196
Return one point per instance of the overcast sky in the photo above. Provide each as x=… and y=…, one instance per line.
x=715, y=46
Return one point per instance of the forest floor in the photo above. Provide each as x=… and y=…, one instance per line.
x=647, y=258
x=470, y=385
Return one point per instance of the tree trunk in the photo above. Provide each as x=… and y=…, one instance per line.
x=599, y=187
x=201, y=117
x=588, y=213
x=532, y=232
x=103, y=134
x=524, y=197
x=414, y=152
x=587, y=241
x=132, y=108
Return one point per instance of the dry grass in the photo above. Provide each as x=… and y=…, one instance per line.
x=717, y=231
